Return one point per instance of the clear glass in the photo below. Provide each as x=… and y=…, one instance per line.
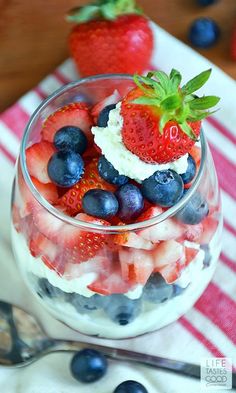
x=130, y=296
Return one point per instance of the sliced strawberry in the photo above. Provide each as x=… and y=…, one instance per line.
x=165, y=230
x=193, y=232
x=48, y=191
x=190, y=254
x=108, y=285
x=210, y=225
x=16, y=218
x=136, y=265
x=85, y=244
x=72, y=199
x=94, y=265
x=58, y=265
x=37, y=157
x=74, y=114
x=40, y=245
x=169, y=260
x=150, y=212
x=131, y=239
x=112, y=99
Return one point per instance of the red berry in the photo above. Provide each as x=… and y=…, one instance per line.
x=74, y=114
x=37, y=157
x=123, y=45
x=141, y=134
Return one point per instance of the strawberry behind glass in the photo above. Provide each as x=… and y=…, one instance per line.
x=99, y=276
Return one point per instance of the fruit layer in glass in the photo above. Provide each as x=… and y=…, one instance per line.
x=108, y=277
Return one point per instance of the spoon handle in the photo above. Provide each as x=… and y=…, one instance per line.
x=191, y=370
x=183, y=368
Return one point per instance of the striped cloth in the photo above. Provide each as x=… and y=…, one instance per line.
x=209, y=328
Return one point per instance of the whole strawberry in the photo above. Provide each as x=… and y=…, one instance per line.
x=111, y=36
x=161, y=120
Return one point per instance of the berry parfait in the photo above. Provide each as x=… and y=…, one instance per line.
x=116, y=215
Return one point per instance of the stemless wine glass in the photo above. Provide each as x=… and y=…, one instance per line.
x=125, y=289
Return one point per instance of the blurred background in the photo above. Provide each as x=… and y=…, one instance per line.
x=33, y=36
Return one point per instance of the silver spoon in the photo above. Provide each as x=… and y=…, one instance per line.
x=22, y=341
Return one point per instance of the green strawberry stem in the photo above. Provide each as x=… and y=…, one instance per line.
x=174, y=102
x=103, y=9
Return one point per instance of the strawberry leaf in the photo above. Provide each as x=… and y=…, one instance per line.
x=83, y=14
x=164, y=80
x=171, y=103
x=163, y=120
x=146, y=101
x=158, y=90
x=204, y=102
x=175, y=78
x=196, y=83
x=187, y=130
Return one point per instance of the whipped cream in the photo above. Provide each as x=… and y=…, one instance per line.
x=109, y=139
x=193, y=269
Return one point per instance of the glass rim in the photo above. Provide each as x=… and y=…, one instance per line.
x=87, y=225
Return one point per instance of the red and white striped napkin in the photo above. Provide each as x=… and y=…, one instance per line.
x=209, y=328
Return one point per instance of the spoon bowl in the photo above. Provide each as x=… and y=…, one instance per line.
x=23, y=341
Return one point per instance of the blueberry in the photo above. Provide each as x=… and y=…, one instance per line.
x=177, y=290
x=207, y=256
x=130, y=387
x=164, y=188
x=104, y=115
x=100, y=203
x=156, y=290
x=195, y=210
x=204, y=32
x=121, y=309
x=65, y=168
x=190, y=172
x=85, y=304
x=46, y=289
x=206, y=2
x=70, y=138
x=109, y=173
x=130, y=200
x=88, y=365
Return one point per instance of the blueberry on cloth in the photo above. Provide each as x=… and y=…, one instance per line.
x=130, y=387
x=206, y=2
x=204, y=33
x=88, y=365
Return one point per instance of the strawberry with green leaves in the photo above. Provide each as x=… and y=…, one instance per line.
x=162, y=120
x=111, y=36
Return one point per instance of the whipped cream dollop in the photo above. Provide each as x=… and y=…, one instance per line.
x=109, y=139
